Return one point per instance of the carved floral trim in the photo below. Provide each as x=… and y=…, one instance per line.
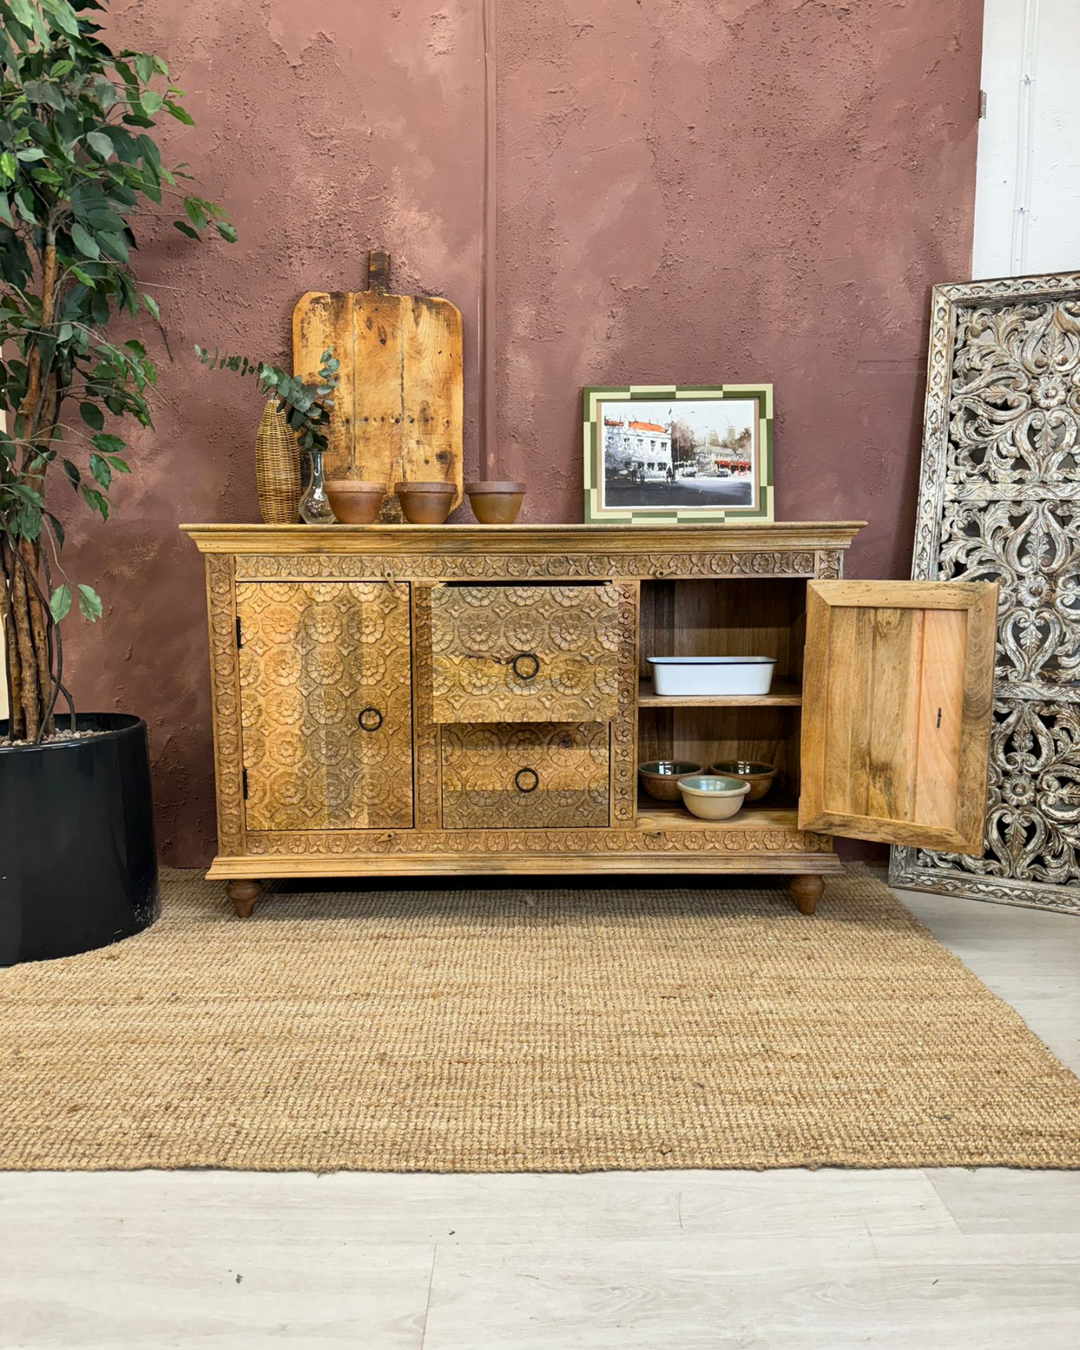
x=533, y=567
x=404, y=842
x=225, y=701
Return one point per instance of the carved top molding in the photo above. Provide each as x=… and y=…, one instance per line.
x=1007, y=289
x=450, y=542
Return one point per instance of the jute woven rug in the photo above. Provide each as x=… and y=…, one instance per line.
x=511, y=1030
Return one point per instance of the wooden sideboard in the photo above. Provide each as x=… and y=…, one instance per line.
x=401, y=700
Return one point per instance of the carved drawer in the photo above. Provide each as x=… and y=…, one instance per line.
x=525, y=777
x=524, y=653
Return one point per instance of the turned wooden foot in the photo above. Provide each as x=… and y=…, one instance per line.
x=243, y=894
x=807, y=892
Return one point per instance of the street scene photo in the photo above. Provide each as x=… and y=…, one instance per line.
x=685, y=453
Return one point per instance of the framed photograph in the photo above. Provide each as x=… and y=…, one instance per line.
x=664, y=454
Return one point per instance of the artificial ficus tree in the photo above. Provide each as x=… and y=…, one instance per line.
x=78, y=166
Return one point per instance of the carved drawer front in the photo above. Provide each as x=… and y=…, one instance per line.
x=524, y=653
x=525, y=777
x=325, y=704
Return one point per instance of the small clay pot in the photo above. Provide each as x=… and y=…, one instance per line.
x=760, y=776
x=495, y=503
x=355, y=503
x=425, y=503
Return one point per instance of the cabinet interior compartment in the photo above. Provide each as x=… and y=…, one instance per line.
x=737, y=617
x=705, y=735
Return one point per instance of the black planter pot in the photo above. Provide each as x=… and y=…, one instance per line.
x=78, y=866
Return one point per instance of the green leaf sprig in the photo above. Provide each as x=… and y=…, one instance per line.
x=306, y=406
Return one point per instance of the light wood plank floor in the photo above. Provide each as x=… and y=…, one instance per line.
x=789, y=1260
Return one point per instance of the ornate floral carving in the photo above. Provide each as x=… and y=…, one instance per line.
x=524, y=653
x=1032, y=549
x=624, y=729
x=378, y=843
x=529, y=776
x=1001, y=502
x=526, y=566
x=426, y=768
x=325, y=704
x=224, y=692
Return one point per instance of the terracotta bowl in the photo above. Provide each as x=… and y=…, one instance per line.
x=425, y=503
x=759, y=776
x=354, y=502
x=712, y=797
x=495, y=503
x=660, y=778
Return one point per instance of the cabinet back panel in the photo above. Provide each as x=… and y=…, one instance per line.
x=748, y=617
x=705, y=735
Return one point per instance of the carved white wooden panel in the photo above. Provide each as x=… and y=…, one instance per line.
x=1000, y=501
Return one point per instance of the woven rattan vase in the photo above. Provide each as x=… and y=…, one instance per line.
x=277, y=468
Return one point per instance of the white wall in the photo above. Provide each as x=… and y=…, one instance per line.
x=1027, y=195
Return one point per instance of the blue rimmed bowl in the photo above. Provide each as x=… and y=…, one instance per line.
x=712, y=797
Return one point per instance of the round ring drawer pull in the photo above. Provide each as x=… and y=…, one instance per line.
x=526, y=780
x=522, y=659
x=370, y=719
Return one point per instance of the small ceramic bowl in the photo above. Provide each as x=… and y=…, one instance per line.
x=759, y=776
x=355, y=502
x=712, y=797
x=660, y=778
x=425, y=503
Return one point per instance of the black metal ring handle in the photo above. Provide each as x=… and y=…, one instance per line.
x=525, y=656
x=370, y=719
x=529, y=773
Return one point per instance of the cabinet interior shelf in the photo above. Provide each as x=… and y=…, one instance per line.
x=781, y=813
x=783, y=694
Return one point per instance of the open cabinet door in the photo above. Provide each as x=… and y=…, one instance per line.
x=898, y=686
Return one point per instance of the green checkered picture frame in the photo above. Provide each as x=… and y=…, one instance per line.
x=662, y=454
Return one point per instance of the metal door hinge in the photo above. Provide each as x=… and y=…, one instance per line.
x=239, y=635
x=982, y=103
x=243, y=782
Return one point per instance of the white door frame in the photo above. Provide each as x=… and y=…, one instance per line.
x=1027, y=194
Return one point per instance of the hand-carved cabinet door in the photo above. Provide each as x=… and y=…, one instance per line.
x=897, y=698
x=325, y=704
x=525, y=653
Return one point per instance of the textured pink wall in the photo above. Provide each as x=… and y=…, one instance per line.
x=689, y=192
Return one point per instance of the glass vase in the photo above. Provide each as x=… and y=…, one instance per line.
x=315, y=508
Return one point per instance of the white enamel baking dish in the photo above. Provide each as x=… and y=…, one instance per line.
x=675, y=676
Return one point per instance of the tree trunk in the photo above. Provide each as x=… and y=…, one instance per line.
x=16, y=716
x=39, y=629
x=28, y=654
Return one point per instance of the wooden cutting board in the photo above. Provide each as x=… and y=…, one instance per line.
x=398, y=408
